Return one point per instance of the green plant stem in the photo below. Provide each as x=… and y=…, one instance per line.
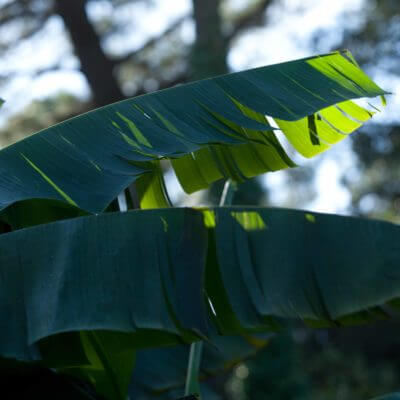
x=227, y=193
x=192, y=378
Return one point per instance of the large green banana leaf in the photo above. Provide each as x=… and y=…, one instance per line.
x=82, y=295
x=210, y=129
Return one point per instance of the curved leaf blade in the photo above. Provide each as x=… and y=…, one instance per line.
x=324, y=269
x=132, y=267
x=88, y=160
x=135, y=272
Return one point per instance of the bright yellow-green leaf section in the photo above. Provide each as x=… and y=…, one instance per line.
x=213, y=129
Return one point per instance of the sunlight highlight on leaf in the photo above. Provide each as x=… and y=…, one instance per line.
x=211, y=129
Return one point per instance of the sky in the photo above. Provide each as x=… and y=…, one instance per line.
x=286, y=37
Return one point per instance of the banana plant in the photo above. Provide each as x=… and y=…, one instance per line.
x=85, y=287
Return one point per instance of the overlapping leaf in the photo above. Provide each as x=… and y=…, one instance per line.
x=82, y=295
x=327, y=270
x=126, y=272
x=147, y=278
x=210, y=129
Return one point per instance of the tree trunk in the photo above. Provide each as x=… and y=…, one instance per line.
x=95, y=65
x=208, y=56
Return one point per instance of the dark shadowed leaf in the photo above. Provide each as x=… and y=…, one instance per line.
x=95, y=289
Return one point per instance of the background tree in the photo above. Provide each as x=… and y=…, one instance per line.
x=374, y=41
x=216, y=28
x=104, y=70
x=168, y=59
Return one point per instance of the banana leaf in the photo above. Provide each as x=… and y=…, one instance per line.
x=210, y=129
x=82, y=295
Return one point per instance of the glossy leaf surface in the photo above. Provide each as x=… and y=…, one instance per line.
x=211, y=129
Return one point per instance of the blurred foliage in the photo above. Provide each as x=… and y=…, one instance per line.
x=374, y=39
x=343, y=364
x=335, y=375
x=41, y=114
x=354, y=364
x=143, y=62
x=376, y=192
x=277, y=373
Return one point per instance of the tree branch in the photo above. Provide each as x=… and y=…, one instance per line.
x=6, y=18
x=38, y=23
x=151, y=42
x=95, y=64
x=35, y=72
x=252, y=17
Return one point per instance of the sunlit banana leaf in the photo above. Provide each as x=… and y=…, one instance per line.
x=211, y=129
